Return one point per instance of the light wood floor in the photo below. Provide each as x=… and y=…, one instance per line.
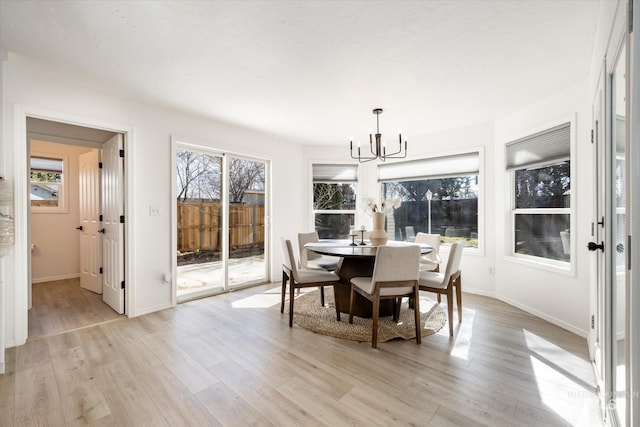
x=232, y=360
x=62, y=305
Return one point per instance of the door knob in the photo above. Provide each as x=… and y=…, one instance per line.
x=592, y=246
x=80, y=228
x=101, y=230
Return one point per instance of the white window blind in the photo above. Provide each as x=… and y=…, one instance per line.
x=543, y=147
x=435, y=167
x=335, y=173
x=46, y=165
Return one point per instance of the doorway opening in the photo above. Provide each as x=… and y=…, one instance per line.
x=76, y=207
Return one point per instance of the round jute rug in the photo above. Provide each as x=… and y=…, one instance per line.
x=309, y=314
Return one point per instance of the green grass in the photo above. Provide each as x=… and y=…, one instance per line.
x=468, y=241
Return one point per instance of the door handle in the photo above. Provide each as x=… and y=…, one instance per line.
x=101, y=230
x=80, y=228
x=592, y=246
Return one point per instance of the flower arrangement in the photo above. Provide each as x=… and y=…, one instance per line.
x=387, y=206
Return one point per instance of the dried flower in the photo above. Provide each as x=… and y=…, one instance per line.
x=387, y=206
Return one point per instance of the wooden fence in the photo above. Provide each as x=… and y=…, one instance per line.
x=199, y=226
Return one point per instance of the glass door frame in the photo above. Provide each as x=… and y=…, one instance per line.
x=179, y=144
x=612, y=394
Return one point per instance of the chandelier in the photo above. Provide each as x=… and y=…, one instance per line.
x=379, y=151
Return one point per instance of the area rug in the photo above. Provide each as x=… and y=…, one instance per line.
x=309, y=314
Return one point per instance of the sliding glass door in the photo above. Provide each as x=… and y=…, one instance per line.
x=221, y=213
x=247, y=213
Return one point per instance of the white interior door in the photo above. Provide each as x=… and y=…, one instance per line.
x=598, y=320
x=90, y=238
x=113, y=223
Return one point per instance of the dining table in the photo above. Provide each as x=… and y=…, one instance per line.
x=356, y=260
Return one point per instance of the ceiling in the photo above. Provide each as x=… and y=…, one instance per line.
x=312, y=71
x=64, y=133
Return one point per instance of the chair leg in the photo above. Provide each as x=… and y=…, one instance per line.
x=351, y=304
x=416, y=310
x=397, y=303
x=439, y=298
x=337, y=304
x=459, y=297
x=374, y=328
x=285, y=277
x=322, y=296
x=450, y=307
x=291, y=298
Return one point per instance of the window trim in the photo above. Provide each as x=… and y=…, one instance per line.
x=63, y=205
x=311, y=181
x=564, y=267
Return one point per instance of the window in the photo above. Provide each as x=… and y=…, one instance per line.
x=334, y=199
x=439, y=196
x=47, y=183
x=541, y=176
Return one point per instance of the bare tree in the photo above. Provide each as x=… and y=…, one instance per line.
x=198, y=175
x=244, y=175
x=326, y=196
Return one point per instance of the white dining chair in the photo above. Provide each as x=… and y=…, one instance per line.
x=444, y=283
x=395, y=275
x=301, y=278
x=312, y=260
x=432, y=260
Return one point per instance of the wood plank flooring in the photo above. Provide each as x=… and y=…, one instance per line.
x=62, y=305
x=232, y=360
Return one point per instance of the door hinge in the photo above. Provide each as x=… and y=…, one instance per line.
x=122, y=285
x=629, y=253
x=99, y=165
x=121, y=219
x=100, y=218
x=101, y=270
x=592, y=136
x=593, y=321
x=121, y=153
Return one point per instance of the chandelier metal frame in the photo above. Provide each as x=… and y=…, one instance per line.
x=380, y=150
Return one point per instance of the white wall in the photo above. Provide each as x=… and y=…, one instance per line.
x=56, y=254
x=34, y=85
x=558, y=296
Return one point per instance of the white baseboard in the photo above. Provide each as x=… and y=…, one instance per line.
x=52, y=278
x=479, y=292
x=537, y=313
x=148, y=310
x=544, y=316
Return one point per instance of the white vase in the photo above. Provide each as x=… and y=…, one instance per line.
x=378, y=236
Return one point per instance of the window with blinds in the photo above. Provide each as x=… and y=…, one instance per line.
x=47, y=183
x=439, y=196
x=334, y=199
x=540, y=167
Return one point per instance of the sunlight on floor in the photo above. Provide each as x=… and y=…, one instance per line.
x=462, y=337
x=266, y=299
x=556, y=369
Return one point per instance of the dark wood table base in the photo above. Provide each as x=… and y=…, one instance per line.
x=357, y=267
